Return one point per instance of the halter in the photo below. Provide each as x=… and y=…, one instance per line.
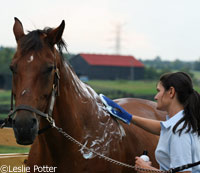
x=47, y=116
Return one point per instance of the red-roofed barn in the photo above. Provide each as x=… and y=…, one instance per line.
x=107, y=67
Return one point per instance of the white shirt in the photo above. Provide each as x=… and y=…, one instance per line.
x=174, y=150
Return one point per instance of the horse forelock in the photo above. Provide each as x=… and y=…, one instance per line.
x=33, y=42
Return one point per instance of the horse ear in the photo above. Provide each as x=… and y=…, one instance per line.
x=55, y=35
x=18, y=29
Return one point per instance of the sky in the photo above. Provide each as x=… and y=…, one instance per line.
x=148, y=28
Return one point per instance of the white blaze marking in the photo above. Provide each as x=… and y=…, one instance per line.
x=30, y=59
x=23, y=92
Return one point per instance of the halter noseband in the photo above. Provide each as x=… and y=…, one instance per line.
x=47, y=116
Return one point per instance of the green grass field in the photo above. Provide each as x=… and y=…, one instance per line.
x=4, y=102
x=134, y=87
x=2, y=116
x=11, y=149
x=5, y=97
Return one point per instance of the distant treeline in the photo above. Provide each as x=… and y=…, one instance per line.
x=177, y=64
x=6, y=55
x=154, y=68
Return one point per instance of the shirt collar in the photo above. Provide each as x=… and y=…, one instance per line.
x=173, y=120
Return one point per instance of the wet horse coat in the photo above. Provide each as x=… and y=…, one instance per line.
x=78, y=110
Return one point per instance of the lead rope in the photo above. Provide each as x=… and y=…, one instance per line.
x=60, y=130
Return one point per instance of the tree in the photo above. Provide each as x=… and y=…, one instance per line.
x=197, y=65
x=6, y=55
x=150, y=73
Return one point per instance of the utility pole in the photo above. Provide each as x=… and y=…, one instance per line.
x=118, y=39
x=132, y=71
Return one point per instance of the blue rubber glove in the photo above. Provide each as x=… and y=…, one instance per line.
x=116, y=110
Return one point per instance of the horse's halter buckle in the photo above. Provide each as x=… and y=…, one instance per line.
x=47, y=116
x=51, y=121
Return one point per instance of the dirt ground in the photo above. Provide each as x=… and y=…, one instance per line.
x=7, y=138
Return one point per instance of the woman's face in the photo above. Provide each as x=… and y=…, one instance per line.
x=162, y=97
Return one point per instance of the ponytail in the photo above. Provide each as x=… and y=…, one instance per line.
x=191, y=117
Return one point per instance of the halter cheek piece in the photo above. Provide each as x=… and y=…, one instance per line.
x=47, y=116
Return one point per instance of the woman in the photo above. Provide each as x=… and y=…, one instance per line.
x=179, y=142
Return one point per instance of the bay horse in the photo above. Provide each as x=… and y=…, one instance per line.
x=47, y=91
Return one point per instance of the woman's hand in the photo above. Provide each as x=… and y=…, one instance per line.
x=139, y=162
x=116, y=110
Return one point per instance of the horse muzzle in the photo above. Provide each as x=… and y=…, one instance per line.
x=25, y=126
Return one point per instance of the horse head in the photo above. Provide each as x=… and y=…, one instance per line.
x=35, y=70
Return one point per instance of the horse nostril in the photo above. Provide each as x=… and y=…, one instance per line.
x=34, y=122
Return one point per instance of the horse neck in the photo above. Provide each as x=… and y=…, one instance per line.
x=75, y=101
x=81, y=114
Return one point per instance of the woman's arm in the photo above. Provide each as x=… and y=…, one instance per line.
x=152, y=126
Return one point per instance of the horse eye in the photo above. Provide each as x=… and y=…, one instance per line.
x=49, y=69
x=13, y=69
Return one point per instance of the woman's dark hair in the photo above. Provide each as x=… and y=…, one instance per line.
x=188, y=97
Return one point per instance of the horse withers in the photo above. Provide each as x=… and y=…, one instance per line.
x=47, y=91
